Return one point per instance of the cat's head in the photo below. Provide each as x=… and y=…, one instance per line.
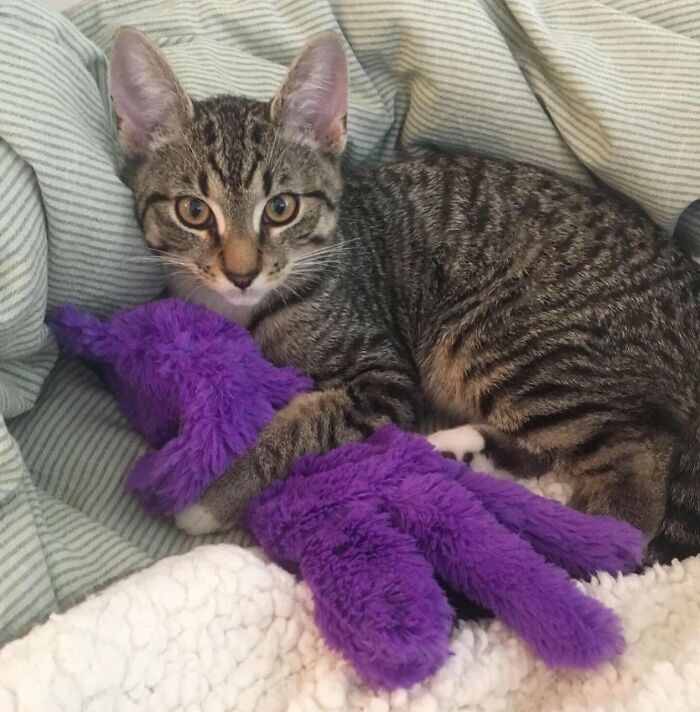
x=239, y=195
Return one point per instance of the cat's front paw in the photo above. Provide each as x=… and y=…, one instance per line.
x=223, y=504
x=196, y=520
x=462, y=443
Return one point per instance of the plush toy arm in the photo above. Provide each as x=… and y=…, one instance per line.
x=168, y=480
x=580, y=543
x=78, y=333
x=376, y=600
x=474, y=554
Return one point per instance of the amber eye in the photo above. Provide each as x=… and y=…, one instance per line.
x=193, y=212
x=281, y=209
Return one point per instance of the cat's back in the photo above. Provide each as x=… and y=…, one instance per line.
x=518, y=246
x=485, y=193
x=482, y=211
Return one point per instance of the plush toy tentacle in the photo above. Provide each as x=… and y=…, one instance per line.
x=482, y=559
x=580, y=543
x=320, y=488
x=376, y=600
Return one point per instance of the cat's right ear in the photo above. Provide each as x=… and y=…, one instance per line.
x=149, y=101
x=313, y=100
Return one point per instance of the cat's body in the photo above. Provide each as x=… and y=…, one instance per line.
x=563, y=325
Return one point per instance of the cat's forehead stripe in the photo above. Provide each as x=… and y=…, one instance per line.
x=251, y=171
x=209, y=133
x=217, y=168
x=257, y=133
x=203, y=181
x=267, y=182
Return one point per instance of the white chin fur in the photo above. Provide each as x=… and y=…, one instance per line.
x=195, y=520
x=250, y=297
x=233, y=304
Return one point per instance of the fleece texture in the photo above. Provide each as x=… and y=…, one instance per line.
x=368, y=525
x=192, y=383
x=221, y=630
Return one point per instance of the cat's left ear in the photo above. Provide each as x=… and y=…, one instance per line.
x=313, y=100
x=151, y=105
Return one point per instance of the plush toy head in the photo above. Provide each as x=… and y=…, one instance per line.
x=191, y=382
x=370, y=526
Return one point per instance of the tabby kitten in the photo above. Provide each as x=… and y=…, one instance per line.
x=554, y=327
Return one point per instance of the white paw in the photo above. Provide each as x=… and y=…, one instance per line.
x=483, y=463
x=461, y=441
x=195, y=520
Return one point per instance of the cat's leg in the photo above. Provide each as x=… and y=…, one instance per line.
x=625, y=480
x=488, y=449
x=312, y=423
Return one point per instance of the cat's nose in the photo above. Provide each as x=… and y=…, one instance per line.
x=242, y=281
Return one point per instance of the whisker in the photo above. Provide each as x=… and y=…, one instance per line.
x=169, y=260
x=189, y=266
x=165, y=256
x=315, y=263
x=314, y=270
x=195, y=287
x=338, y=246
x=157, y=259
x=163, y=252
x=314, y=257
x=179, y=272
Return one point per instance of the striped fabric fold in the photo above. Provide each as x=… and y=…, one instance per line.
x=596, y=89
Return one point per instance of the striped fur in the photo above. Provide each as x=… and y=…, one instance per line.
x=560, y=321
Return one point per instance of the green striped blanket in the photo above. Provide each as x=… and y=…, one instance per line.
x=594, y=89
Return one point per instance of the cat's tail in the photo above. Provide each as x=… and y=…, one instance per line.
x=679, y=534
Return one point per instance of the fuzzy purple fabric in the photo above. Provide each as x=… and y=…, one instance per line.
x=191, y=382
x=368, y=525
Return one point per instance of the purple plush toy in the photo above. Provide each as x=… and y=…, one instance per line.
x=369, y=525
x=191, y=382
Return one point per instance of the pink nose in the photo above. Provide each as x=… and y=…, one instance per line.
x=242, y=281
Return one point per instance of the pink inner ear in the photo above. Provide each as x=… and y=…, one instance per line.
x=314, y=96
x=130, y=104
x=144, y=92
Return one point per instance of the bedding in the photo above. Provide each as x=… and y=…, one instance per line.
x=596, y=90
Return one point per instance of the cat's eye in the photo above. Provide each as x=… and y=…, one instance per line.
x=193, y=212
x=281, y=209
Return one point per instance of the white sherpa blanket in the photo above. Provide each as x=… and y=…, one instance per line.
x=220, y=629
